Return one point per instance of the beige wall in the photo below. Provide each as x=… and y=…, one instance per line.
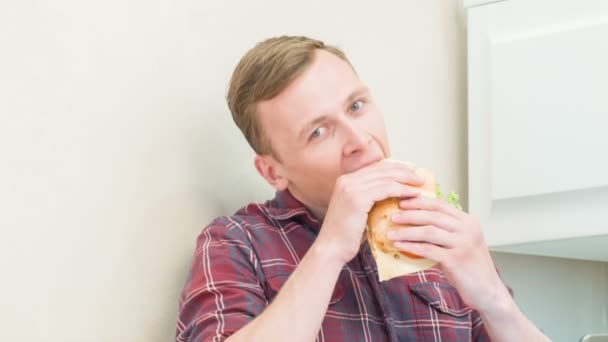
x=117, y=147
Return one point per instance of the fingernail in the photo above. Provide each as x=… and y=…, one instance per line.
x=391, y=234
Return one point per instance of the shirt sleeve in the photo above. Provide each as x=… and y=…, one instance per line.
x=222, y=292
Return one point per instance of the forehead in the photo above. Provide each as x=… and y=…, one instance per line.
x=320, y=89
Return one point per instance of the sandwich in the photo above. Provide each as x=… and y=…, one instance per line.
x=391, y=261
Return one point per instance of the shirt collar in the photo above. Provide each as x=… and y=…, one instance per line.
x=284, y=206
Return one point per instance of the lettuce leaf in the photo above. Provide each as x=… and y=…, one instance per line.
x=452, y=198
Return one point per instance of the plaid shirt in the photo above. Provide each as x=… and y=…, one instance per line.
x=241, y=262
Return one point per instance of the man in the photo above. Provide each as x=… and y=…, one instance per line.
x=297, y=267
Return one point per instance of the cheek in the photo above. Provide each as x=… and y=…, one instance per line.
x=321, y=166
x=374, y=122
x=324, y=156
x=317, y=169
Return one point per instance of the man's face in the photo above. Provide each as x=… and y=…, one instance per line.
x=321, y=126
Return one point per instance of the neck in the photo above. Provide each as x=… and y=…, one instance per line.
x=317, y=211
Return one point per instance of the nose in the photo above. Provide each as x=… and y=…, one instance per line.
x=357, y=139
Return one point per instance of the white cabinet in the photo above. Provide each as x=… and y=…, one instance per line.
x=538, y=125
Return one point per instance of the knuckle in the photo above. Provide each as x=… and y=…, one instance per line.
x=431, y=233
x=477, y=238
x=345, y=186
x=398, y=233
x=348, y=189
x=458, y=255
x=476, y=231
x=440, y=205
x=341, y=181
x=411, y=233
x=410, y=190
x=446, y=260
x=422, y=248
x=467, y=245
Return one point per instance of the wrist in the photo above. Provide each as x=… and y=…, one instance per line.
x=502, y=307
x=328, y=253
x=505, y=322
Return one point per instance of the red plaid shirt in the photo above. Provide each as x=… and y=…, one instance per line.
x=241, y=262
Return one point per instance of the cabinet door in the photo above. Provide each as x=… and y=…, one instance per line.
x=538, y=119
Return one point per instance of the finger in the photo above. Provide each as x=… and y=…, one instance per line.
x=408, y=169
x=431, y=204
x=428, y=234
x=417, y=217
x=382, y=189
x=392, y=170
x=398, y=175
x=425, y=250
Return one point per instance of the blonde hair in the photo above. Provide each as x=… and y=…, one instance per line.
x=262, y=74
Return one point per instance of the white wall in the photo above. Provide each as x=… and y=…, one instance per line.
x=116, y=145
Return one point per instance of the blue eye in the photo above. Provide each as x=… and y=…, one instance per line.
x=356, y=106
x=317, y=132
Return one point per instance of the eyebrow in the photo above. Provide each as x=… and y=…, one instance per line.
x=353, y=95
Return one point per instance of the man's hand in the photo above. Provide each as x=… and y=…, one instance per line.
x=353, y=196
x=455, y=240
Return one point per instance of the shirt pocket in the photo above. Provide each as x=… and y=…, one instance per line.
x=442, y=297
x=275, y=283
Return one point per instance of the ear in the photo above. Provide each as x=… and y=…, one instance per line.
x=272, y=171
